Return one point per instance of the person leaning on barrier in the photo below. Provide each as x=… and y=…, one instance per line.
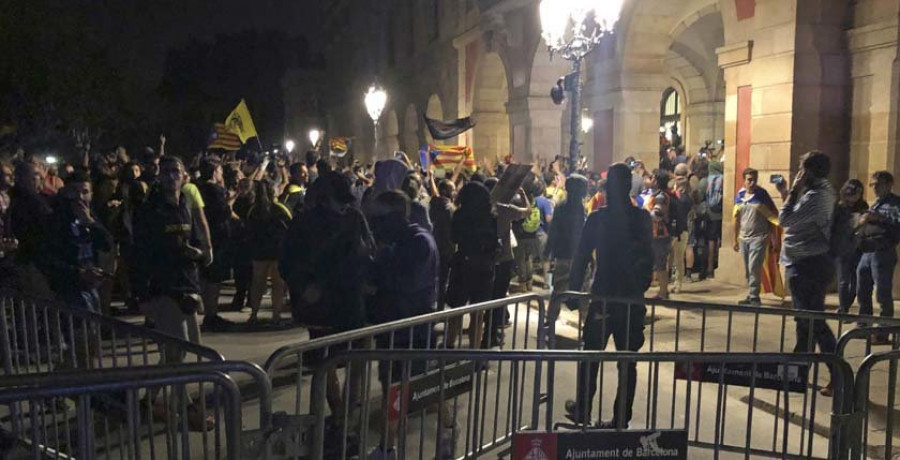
x=807, y=216
x=878, y=237
x=167, y=244
x=617, y=232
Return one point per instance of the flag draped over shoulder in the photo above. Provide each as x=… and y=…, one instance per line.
x=240, y=122
x=223, y=139
x=339, y=146
x=771, y=272
x=448, y=156
x=441, y=129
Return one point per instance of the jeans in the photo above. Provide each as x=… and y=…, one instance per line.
x=626, y=325
x=847, y=284
x=808, y=279
x=876, y=269
x=754, y=252
x=525, y=252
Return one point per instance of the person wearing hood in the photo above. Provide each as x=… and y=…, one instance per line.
x=619, y=236
x=565, y=232
x=714, y=187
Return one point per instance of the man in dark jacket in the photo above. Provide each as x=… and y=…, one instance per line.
x=71, y=257
x=617, y=233
x=167, y=243
x=218, y=215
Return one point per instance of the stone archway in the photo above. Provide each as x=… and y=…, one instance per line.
x=411, y=130
x=435, y=110
x=489, y=107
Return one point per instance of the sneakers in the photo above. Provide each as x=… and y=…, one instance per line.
x=574, y=414
x=380, y=453
x=610, y=425
x=750, y=302
x=216, y=324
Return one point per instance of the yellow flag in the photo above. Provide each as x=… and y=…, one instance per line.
x=240, y=123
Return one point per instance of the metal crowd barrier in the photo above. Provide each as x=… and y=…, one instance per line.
x=671, y=325
x=143, y=412
x=43, y=336
x=523, y=331
x=700, y=409
x=877, y=418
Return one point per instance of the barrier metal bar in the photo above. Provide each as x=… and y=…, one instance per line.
x=837, y=435
x=864, y=447
x=719, y=327
x=113, y=420
x=526, y=332
x=42, y=336
x=865, y=334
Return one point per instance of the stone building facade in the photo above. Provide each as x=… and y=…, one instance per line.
x=771, y=78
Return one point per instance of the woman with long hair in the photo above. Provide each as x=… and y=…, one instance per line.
x=474, y=228
x=267, y=224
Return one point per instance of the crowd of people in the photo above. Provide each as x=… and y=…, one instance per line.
x=342, y=245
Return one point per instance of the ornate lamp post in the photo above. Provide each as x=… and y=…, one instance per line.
x=314, y=135
x=572, y=29
x=375, y=100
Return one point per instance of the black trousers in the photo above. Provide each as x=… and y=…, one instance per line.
x=625, y=323
x=808, y=279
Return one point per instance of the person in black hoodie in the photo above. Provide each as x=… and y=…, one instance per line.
x=565, y=232
x=616, y=233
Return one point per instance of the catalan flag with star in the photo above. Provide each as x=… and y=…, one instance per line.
x=448, y=157
x=222, y=138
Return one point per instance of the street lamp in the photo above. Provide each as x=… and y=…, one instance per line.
x=314, y=135
x=572, y=29
x=586, y=123
x=289, y=145
x=375, y=100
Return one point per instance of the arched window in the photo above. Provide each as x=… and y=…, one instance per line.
x=670, y=116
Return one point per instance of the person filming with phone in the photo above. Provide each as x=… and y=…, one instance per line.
x=807, y=217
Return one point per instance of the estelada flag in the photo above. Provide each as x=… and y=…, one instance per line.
x=240, y=122
x=448, y=156
x=442, y=129
x=223, y=139
x=339, y=146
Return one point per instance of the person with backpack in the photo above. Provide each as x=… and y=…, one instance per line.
x=850, y=208
x=663, y=208
x=753, y=208
x=714, y=200
x=685, y=212
x=878, y=237
x=531, y=235
x=807, y=217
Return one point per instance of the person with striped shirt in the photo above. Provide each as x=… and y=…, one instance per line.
x=807, y=216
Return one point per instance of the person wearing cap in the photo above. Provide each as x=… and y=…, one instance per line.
x=753, y=209
x=851, y=202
